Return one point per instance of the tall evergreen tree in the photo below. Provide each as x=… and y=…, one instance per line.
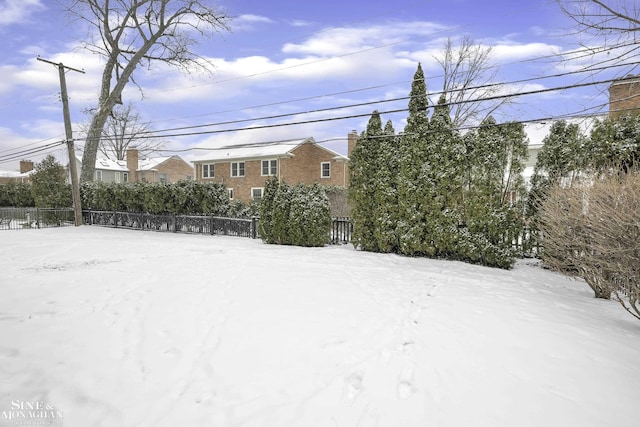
x=364, y=184
x=441, y=178
x=560, y=157
x=496, y=160
x=560, y=160
x=614, y=144
x=413, y=154
x=386, y=196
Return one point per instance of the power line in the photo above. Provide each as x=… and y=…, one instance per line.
x=22, y=154
x=27, y=145
x=155, y=134
x=590, y=69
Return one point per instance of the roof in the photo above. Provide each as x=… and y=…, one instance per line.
x=15, y=174
x=112, y=165
x=151, y=164
x=255, y=151
x=121, y=165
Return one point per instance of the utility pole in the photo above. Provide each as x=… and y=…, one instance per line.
x=75, y=187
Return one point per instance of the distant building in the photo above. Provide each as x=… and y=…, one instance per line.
x=624, y=96
x=244, y=169
x=133, y=169
x=23, y=176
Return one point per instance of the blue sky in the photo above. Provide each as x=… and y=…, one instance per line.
x=287, y=57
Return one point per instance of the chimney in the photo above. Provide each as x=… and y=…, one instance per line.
x=624, y=96
x=26, y=166
x=132, y=164
x=352, y=140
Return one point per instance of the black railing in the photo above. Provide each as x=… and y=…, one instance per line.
x=25, y=218
x=170, y=222
x=340, y=232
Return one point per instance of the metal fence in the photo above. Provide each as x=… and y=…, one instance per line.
x=340, y=233
x=174, y=223
x=25, y=218
x=341, y=230
x=527, y=243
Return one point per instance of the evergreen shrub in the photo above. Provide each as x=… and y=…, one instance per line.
x=297, y=215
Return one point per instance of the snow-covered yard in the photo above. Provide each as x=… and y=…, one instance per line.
x=123, y=328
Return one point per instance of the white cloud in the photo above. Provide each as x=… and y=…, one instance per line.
x=248, y=22
x=340, y=41
x=16, y=11
x=515, y=51
x=300, y=23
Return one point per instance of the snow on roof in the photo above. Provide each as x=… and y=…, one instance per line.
x=536, y=132
x=121, y=165
x=257, y=150
x=15, y=174
x=150, y=164
x=112, y=165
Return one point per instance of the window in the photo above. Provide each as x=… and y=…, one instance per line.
x=237, y=169
x=98, y=175
x=269, y=167
x=230, y=191
x=118, y=177
x=208, y=171
x=125, y=176
x=256, y=193
x=325, y=170
x=162, y=177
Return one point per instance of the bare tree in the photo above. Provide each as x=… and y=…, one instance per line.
x=131, y=33
x=604, y=17
x=469, y=75
x=606, y=27
x=591, y=230
x=123, y=130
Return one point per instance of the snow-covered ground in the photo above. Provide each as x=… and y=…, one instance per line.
x=126, y=328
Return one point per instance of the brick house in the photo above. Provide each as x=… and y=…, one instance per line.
x=624, y=96
x=244, y=169
x=23, y=176
x=159, y=169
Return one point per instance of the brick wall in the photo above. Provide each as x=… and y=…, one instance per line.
x=306, y=167
x=175, y=169
x=303, y=167
x=624, y=96
x=241, y=185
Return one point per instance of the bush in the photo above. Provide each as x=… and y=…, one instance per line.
x=592, y=231
x=16, y=194
x=182, y=198
x=294, y=215
x=240, y=209
x=48, y=185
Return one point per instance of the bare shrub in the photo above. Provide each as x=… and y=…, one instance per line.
x=592, y=230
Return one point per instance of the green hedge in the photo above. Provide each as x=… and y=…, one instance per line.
x=297, y=215
x=182, y=198
x=16, y=194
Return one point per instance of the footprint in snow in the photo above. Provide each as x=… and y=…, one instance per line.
x=352, y=387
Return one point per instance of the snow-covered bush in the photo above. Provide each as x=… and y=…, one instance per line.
x=48, y=185
x=592, y=231
x=240, y=209
x=183, y=198
x=432, y=192
x=16, y=194
x=294, y=215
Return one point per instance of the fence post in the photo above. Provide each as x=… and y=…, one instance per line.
x=38, y=217
x=254, y=226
